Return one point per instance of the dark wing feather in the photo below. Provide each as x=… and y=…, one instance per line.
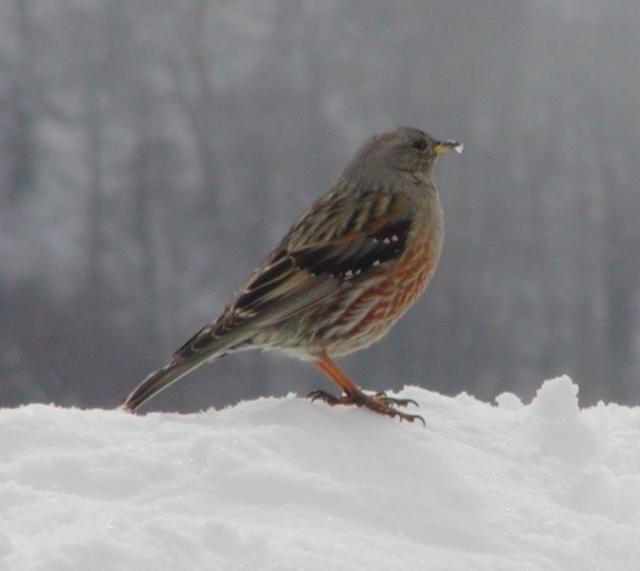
x=332, y=243
x=362, y=253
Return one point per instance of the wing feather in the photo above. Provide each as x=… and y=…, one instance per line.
x=332, y=243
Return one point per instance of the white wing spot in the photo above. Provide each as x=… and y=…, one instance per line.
x=348, y=274
x=394, y=238
x=376, y=263
x=386, y=241
x=245, y=312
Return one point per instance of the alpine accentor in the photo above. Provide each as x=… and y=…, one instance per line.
x=347, y=270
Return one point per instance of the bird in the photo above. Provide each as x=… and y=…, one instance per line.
x=342, y=276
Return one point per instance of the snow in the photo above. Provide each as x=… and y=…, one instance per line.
x=289, y=484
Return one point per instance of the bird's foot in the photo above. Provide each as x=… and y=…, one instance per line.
x=391, y=401
x=327, y=397
x=379, y=403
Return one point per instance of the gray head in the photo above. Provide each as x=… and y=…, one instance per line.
x=403, y=149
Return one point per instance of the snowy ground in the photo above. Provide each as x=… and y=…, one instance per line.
x=287, y=484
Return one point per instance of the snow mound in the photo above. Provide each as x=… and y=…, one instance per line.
x=289, y=484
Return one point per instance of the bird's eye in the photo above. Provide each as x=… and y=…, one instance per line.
x=420, y=145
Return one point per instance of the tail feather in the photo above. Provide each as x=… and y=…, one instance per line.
x=184, y=361
x=156, y=382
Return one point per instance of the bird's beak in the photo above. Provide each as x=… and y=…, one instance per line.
x=443, y=147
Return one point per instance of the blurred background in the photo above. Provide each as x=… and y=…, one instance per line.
x=152, y=151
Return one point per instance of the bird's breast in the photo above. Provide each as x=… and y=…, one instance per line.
x=369, y=308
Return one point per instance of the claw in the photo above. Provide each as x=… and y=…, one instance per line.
x=379, y=403
x=394, y=401
x=410, y=418
x=323, y=396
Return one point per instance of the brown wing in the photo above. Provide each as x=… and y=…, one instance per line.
x=332, y=243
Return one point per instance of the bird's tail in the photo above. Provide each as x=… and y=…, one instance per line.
x=195, y=352
x=156, y=382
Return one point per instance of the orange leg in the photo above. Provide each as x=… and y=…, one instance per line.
x=353, y=395
x=329, y=367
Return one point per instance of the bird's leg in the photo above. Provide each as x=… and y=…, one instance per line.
x=353, y=395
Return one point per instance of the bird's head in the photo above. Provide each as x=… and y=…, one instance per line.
x=403, y=149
